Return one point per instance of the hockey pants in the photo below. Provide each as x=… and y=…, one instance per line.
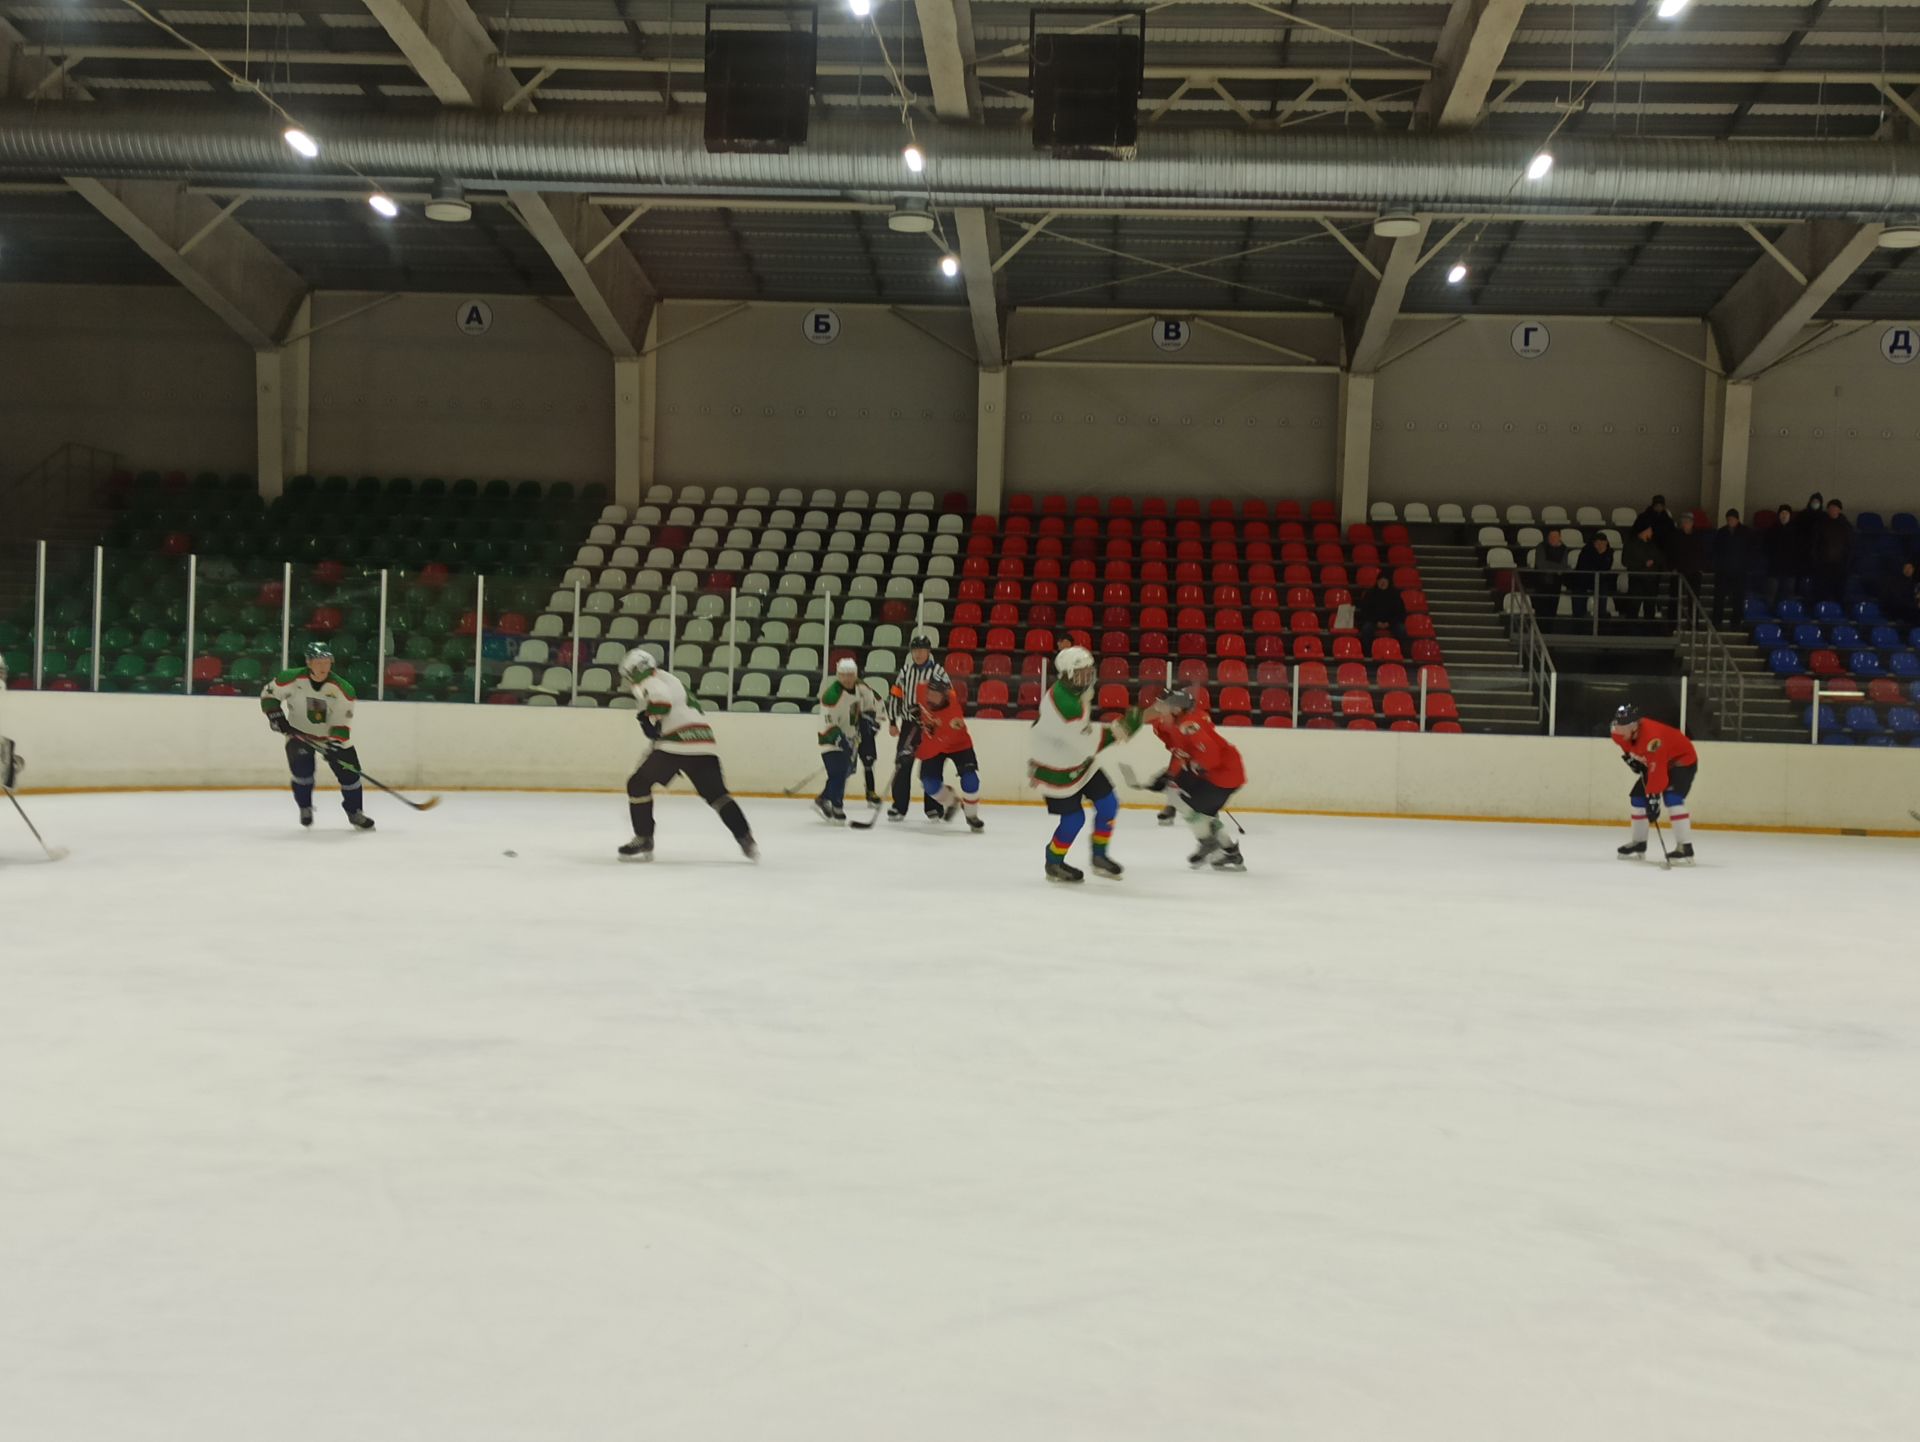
x=345, y=762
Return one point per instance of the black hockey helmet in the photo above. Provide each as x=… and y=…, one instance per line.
x=1627, y=715
x=1179, y=700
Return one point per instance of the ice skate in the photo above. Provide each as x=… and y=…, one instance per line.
x=873, y=798
x=824, y=807
x=839, y=813
x=1105, y=865
x=1632, y=851
x=360, y=821
x=1203, y=853
x=1685, y=853
x=1060, y=871
x=1230, y=859
x=749, y=848
x=895, y=814
x=974, y=823
x=1166, y=816
x=638, y=849
x=306, y=816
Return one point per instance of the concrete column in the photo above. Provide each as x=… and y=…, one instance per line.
x=1736, y=445
x=629, y=427
x=281, y=406
x=1353, y=457
x=990, y=453
x=297, y=379
x=650, y=406
x=1713, y=411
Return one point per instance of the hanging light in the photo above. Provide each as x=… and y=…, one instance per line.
x=915, y=157
x=302, y=143
x=860, y=8
x=949, y=266
x=1670, y=8
x=383, y=205
x=1457, y=274
x=1538, y=167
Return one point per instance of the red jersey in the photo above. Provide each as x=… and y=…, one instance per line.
x=1197, y=747
x=943, y=730
x=1660, y=748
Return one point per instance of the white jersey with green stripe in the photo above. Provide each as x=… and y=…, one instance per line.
x=321, y=709
x=684, y=728
x=841, y=707
x=1067, y=741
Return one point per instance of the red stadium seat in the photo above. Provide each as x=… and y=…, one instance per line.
x=1271, y=646
x=1112, y=617
x=1271, y=673
x=1821, y=663
x=1406, y=578
x=1029, y=694
x=1441, y=707
x=1080, y=592
x=1267, y=623
x=997, y=663
x=1351, y=674
x=1193, y=670
x=1040, y=642
x=993, y=692
x=1426, y=651
x=1114, y=668
x=1386, y=648
x=1346, y=648
x=1395, y=535
x=1082, y=571
x=1364, y=555
x=1154, y=618
x=1359, y=532
x=1362, y=723
x=1227, y=596
x=1261, y=574
x=1304, y=623
x=1194, y=644
x=972, y=589
x=1020, y=504
x=401, y=675
x=967, y=613
x=1011, y=568
x=1004, y=613
x=1000, y=638
x=1112, y=697
x=1233, y=669
x=1315, y=703
x=1049, y=616
x=1153, y=593
x=208, y=669
x=1335, y=576
x=1229, y=619
x=1322, y=511
x=975, y=566
x=1189, y=551
x=980, y=545
x=1414, y=600
x=1053, y=505
x=1396, y=705
x=1086, y=506
x=1308, y=648
x=1404, y=726
x=1186, y=506
x=1297, y=574
x=964, y=638
x=1115, y=643
x=1116, y=593
x=1277, y=699
x=1017, y=526
x=1393, y=676
x=959, y=663
x=1420, y=628
x=1401, y=556
x=1365, y=576
x=1323, y=533
x=1314, y=674
x=983, y=525
x=1051, y=526
x=1235, y=698
x=1154, y=643
x=1119, y=550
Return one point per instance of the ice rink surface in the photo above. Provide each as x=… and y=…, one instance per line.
x=1417, y=1132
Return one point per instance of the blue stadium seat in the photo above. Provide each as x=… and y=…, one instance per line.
x=1844, y=637
x=1866, y=664
x=1860, y=720
x=1904, y=721
x=1904, y=523
x=1865, y=612
x=1785, y=661
x=1768, y=634
x=1913, y=637
x=1904, y=664
x=1791, y=609
x=1829, y=611
x=1829, y=720
x=1868, y=522
x=1757, y=610
x=1887, y=638
x=1879, y=738
x=1807, y=635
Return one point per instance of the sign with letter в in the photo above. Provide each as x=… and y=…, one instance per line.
x=1171, y=333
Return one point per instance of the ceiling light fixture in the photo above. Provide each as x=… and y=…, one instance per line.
x=1671, y=8
x=1538, y=167
x=301, y=142
x=1457, y=274
x=949, y=266
x=1900, y=235
x=915, y=157
x=861, y=8
x=383, y=205
x=1396, y=225
x=448, y=202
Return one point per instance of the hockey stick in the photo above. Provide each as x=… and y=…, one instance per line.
x=1127, y=775
x=318, y=749
x=805, y=783
x=1666, y=857
x=54, y=853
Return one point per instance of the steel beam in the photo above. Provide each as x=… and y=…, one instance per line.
x=26, y=74
x=977, y=235
x=447, y=47
x=946, y=33
x=1473, y=42
x=611, y=288
x=1760, y=319
x=229, y=271
x=1374, y=304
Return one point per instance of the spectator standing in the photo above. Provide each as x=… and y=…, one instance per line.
x=1783, y=550
x=1657, y=516
x=1735, y=558
x=1550, y=556
x=1644, y=562
x=1832, y=550
x=1595, y=561
x=1812, y=516
x=1686, y=552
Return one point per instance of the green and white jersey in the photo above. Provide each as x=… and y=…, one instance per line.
x=841, y=708
x=1067, y=741
x=684, y=728
x=323, y=710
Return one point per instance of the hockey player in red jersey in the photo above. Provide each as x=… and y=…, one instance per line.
x=944, y=737
x=1665, y=764
x=1203, y=773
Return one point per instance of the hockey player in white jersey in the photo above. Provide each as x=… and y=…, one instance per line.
x=1065, y=765
x=313, y=709
x=683, y=745
x=845, y=703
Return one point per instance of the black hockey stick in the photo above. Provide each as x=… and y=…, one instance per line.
x=318, y=749
x=1666, y=857
x=1127, y=775
x=54, y=853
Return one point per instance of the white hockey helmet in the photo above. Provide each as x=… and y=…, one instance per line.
x=1075, y=666
x=638, y=664
x=847, y=667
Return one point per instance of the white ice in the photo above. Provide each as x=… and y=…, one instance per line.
x=1417, y=1132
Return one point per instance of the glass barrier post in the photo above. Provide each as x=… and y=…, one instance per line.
x=99, y=606
x=380, y=649
x=1423, y=697
x=1296, y=694
x=286, y=611
x=1816, y=713
x=576, y=638
x=1683, y=702
x=1553, y=704
x=479, y=633
x=673, y=619
x=733, y=638
x=826, y=651
x=39, y=614
x=193, y=602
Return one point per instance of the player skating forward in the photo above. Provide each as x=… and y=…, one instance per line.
x=903, y=712
x=1065, y=766
x=1666, y=764
x=683, y=745
x=313, y=709
x=944, y=737
x=846, y=704
x=1203, y=774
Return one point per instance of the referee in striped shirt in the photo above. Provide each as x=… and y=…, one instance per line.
x=903, y=719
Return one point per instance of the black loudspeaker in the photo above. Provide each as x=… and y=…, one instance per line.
x=759, y=83
x=1086, y=87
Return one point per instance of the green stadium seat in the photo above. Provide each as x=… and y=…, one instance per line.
x=129, y=666
x=246, y=670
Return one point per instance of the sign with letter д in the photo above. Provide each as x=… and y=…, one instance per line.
x=1530, y=340
x=822, y=326
x=1898, y=343
x=474, y=317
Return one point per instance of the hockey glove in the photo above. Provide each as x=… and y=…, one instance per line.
x=278, y=721
x=1160, y=782
x=1635, y=765
x=11, y=765
x=649, y=727
x=1653, y=808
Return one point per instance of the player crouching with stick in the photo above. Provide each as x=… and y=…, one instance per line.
x=1204, y=771
x=1665, y=764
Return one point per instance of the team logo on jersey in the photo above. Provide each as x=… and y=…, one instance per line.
x=317, y=710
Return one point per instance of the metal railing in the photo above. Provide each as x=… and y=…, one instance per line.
x=1710, y=663
x=1602, y=603
x=1543, y=679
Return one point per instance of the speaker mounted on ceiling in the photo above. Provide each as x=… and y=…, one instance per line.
x=1085, y=82
x=759, y=76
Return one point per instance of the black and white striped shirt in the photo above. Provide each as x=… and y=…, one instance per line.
x=902, y=705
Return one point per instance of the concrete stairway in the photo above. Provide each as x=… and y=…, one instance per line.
x=1489, y=683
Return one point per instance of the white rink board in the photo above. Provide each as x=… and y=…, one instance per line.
x=1416, y=1132
x=118, y=741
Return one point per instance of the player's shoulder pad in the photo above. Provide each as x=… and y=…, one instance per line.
x=346, y=687
x=289, y=676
